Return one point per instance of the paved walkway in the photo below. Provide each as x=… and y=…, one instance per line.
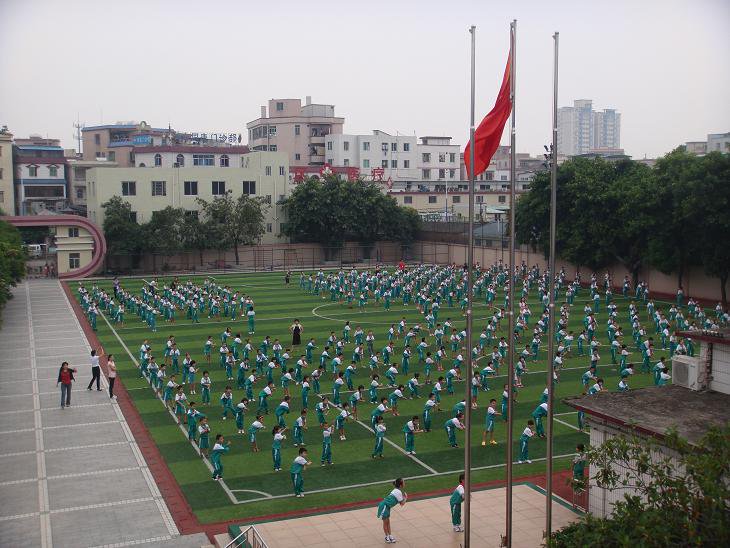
x=72, y=477
x=425, y=522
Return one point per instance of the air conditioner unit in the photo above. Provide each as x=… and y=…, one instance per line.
x=685, y=372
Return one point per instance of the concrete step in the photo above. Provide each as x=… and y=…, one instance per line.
x=222, y=540
x=197, y=540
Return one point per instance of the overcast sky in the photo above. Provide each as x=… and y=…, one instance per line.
x=391, y=65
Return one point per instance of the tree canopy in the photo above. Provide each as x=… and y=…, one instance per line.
x=12, y=260
x=332, y=211
x=670, y=217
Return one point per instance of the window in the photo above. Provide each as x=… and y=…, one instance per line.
x=203, y=160
x=346, y=146
x=297, y=156
x=484, y=187
x=53, y=171
x=406, y=164
x=267, y=199
x=346, y=162
x=480, y=199
x=282, y=197
x=269, y=227
x=131, y=157
x=297, y=130
x=112, y=156
x=426, y=157
x=456, y=199
x=489, y=176
x=394, y=147
x=190, y=188
x=74, y=260
x=366, y=145
x=272, y=148
x=384, y=163
x=366, y=163
x=224, y=162
x=158, y=160
x=426, y=174
x=97, y=139
x=80, y=193
x=272, y=131
x=329, y=145
x=192, y=213
x=249, y=187
x=1, y=172
x=159, y=188
x=218, y=188
x=330, y=161
x=432, y=199
x=503, y=178
x=282, y=170
x=33, y=171
x=452, y=157
x=2, y=197
x=442, y=174
x=73, y=232
x=452, y=173
x=394, y=164
x=384, y=147
x=406, y=147
x=502, y=199
x=133, y=216
x=442, y=157
x=180, y=160
x=100, y=154
x=279, y=107
x=129, y=188
x=407, y=199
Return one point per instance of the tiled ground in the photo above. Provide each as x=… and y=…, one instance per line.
x=423, y=523
x=72, y=477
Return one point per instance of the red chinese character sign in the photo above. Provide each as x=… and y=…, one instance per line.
x=299, y=174
x=353, y=174
x=377, y=174
x=325, y=171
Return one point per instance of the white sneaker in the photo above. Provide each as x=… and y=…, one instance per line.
x=528, y=461
x=388, y=541
x=519, y=462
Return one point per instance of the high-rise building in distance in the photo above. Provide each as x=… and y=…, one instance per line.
x=582, y=129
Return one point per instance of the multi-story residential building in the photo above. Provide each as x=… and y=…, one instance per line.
x=392, y=157
x=117, y=142
x=40, y=176
x=581, y=129
x=262, y=174
x=696, y=147
x=300, y=131
x=7, y=185
x=718, y=142
x=455, y=203
x=438, y=159
x=76, y=171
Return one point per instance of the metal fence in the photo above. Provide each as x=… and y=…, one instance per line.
x=267, y=258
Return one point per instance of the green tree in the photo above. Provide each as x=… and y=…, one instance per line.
x=12, y=260
x=231, y=223
x=163, y=233
x=124, y=236
x=195, y=235
x=677, y=498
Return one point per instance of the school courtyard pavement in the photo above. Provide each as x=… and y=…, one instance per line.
x=73, y=477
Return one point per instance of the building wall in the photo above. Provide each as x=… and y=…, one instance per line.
x=718, y=142
x=169, y=159
x=269, y=170
x=720, y=381
x=7, y=187
x=378, y=150
x=73, y=241
x=457, y=203
x=438, y=160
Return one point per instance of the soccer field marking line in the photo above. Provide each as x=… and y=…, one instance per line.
x=390, y=481
x=43, y=497
x=206, y=462
x=264, y=493
x=569, y=425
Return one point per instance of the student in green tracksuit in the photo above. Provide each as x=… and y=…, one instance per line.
x=427, y=411
x=524, y=440
x=457, y=497
x=297, y=467
x=395, y=497
x=278, y=434
x=410, y=429
x=540, y=411
x=300, y=424
x=451, y=426
x=193, y=416
x=281, y=410
x=220, y=447
x=379, y=429
x=327, y=444
x=578, y=466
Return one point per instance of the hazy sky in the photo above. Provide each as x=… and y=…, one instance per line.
x=391, y=65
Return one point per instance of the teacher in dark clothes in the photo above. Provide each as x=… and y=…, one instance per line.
x=296, y=333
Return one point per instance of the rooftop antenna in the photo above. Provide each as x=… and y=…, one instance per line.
x=78, y=126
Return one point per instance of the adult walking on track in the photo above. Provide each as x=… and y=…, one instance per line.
x=95, y=370
x=296, y=333
x=65, y=378
x=112, y=367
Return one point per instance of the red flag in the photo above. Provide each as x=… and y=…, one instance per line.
x=489, y=132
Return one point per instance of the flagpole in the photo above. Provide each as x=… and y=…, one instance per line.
x=469, y=302
x=551, y=288
x=510, y=310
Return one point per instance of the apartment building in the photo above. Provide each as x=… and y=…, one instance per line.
x=40, y=175
x=7, y=185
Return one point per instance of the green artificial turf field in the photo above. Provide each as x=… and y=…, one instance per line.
x=251, y=487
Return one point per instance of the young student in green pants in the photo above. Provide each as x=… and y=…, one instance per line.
x=297, y=467
x=451, y=426
x=256, y=425
x=300, y=424
x=457, y=497
x=410, y=429
x=489, y=423
x=428, y=410
x=524, y=440
x=203, y=439
x=379, y=429
x=395, y=497
x=278, y=434
x=221, y=446
x=327, y=431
